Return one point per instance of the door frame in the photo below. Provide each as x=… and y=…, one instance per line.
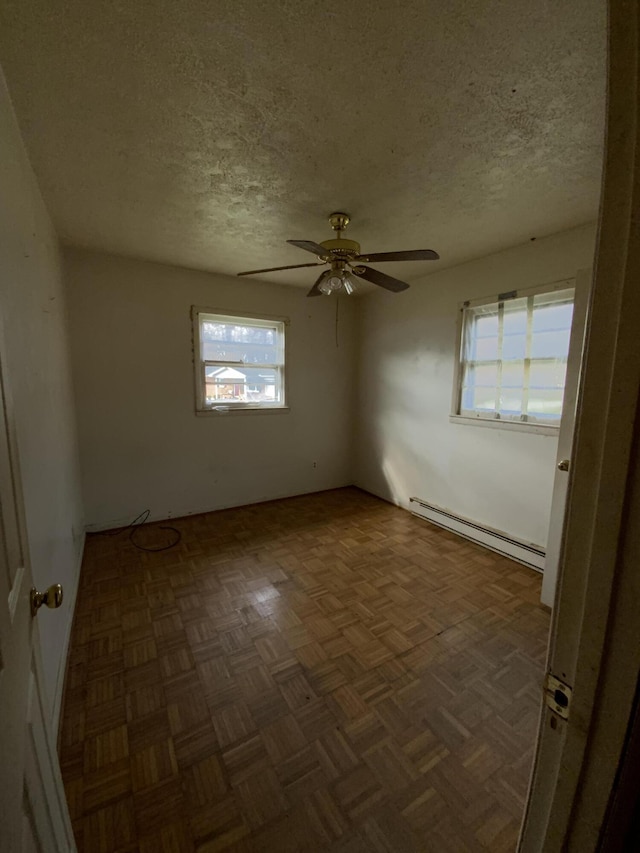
x=582, y=289
x=595, y=632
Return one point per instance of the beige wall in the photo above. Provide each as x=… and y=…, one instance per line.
x=407, y=351
x=32, y=306
x=142, y=446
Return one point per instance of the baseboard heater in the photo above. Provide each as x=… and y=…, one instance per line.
x=523, y=552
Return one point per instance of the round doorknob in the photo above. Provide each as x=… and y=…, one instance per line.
x=563, y=465
x=52, y=597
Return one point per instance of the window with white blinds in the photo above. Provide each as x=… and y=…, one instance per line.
x=514, y=358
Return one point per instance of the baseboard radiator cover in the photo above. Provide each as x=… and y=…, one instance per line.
x=526, y=553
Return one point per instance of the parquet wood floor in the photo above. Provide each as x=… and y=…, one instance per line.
x=325, y=672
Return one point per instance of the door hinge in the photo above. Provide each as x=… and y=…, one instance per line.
x=557, y=695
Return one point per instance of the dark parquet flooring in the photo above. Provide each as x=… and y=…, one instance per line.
x=325, y=672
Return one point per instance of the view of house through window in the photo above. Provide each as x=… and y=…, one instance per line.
x=514, y=358
x=241, y=361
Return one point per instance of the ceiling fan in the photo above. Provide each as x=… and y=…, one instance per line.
x=346, y=262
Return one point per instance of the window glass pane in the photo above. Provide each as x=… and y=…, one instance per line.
x=482, y=374
x=466, y=398
x=514, y=346
x=550, y=317
x=512, y=374
x=239, y=343
x=228, y=384
x=262, y=384
x=511, y=401
x=550, y=344
x=485, y=349
x=486, y=324
x=546, y=402
x=482, y=344
x=475, y=398
x=547, y=374
x=515, y=317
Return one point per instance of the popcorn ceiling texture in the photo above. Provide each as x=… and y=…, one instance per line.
x=205, y=134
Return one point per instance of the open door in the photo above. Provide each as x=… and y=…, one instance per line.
x=565, y=437
x=595, y=633
x=33, y=809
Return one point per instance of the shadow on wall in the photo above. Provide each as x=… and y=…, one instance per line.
x=399, y=459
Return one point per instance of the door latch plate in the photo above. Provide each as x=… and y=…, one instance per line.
x=557, y=695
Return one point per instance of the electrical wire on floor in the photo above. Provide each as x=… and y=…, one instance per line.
x=137, y=522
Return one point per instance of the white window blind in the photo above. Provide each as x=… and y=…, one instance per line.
x=240, y=361
x=514, y=358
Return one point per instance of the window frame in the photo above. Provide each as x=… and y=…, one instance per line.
x=200, y=365
x=492, y=421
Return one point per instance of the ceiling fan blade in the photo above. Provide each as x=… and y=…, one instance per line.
x=382, y=279
x=275, y=269
x=413, y=255
x=315, y=290
x=310, y=246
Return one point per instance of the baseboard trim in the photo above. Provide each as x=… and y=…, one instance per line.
x=527, y=553
x=58, y=698
x=167, y=515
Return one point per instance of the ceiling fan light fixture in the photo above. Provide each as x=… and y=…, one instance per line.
x=332, y=283
x=335, y=282
x=349, y=284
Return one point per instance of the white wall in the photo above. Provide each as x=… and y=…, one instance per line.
x=142, y=446
x=406, y=444
x=32, y=306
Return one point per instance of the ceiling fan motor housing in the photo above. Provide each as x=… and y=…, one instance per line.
x=341, y=248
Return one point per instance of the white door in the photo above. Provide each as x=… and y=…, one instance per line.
x=565, y=437
x=33, y=810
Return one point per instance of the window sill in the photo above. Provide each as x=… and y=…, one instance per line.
x=245, y=410
x=515, y=426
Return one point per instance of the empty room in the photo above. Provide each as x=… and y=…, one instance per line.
x=318, y=412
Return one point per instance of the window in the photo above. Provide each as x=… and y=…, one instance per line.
x=514, y=357
x=239, y=361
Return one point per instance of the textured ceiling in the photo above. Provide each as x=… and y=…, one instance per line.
x=206, y=133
